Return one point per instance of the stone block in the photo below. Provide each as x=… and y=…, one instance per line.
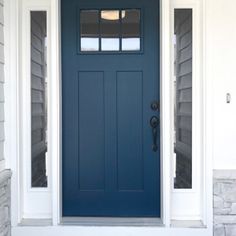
x=222, y=211
x=224, y=203
x=218, y=202
x=227, y=204
x=229, y=192
x=219, y=230
x=233, y=209
x=217, y=188
x=230, y=230
x=5, y=228
x=225, y=219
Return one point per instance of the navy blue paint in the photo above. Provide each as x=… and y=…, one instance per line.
x=109, y=168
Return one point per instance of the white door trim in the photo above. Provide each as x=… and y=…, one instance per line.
x=36, y=202
x=11, y=151
x=13, y=144
x=187, y=202
x=165, y=122
x=56, y=125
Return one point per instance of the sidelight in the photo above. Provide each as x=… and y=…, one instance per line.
x=38, y=99
x=183, y=98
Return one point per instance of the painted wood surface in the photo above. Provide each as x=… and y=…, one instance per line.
x=109, y=166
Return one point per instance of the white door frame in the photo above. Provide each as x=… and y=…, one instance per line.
x=36, y=201
x=57, y=127
x=13, y=86
x=183, y=199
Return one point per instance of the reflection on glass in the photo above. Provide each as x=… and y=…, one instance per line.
x=89, y=44
x=131, y=30
x=110, y=15
x=110, y=30
x=38, y=99
x=183, y=98
x=110, y=44
x=131, y=44
x=89, y=30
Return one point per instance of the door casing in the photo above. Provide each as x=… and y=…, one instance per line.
x=13, y=88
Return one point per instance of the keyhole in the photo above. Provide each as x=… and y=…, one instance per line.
x=154, y=105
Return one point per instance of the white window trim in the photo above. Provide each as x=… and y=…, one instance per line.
x=186, y=203
x=24, y=198
x=36, y=202
x=11, y=102
x=12, y=145
x=2, y=165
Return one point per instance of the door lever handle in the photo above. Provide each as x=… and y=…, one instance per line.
x=154, y=122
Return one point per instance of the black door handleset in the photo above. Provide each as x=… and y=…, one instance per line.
x=154, y=122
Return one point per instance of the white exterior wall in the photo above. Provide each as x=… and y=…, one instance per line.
x=5, y=175
x=2, y=136
x=221, y=65
x=221, y=33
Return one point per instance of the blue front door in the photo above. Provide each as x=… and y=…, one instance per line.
x=110, y=108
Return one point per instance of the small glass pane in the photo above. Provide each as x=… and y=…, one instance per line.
x=183, y=98
x=89, y=30
x=130, y=30
x=39, y=104
x=131, y=44
x=110, y=30
x=110, y=44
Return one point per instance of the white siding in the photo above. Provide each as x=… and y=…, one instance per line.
x=2, y=136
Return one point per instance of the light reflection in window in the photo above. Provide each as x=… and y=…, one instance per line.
x=110, y=30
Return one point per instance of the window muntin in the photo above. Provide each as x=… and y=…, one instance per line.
x=110, y=30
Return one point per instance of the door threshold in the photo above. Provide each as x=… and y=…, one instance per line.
x=112, y=221
x=36, y=222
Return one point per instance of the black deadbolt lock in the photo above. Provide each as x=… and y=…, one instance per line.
x=155, y=105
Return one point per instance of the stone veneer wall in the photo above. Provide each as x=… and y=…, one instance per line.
x=5, y=202
x=224, y=203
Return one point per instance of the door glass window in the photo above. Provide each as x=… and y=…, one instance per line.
x=131, y=30
x=183, y=98
x=110, y=30
x=89, y=30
